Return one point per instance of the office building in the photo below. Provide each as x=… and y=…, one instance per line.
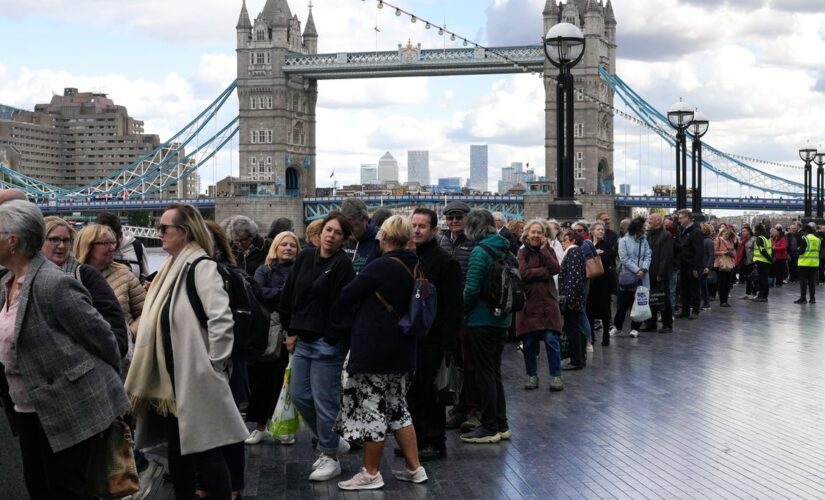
x=388, y=168
x=369, y=174
x=78, y=138
x=450, y=183
x=478, y=167
x=418, y=167
x=624, y=189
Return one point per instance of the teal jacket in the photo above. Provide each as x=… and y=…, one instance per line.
x=476, y=310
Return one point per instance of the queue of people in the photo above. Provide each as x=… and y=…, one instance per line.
x=133, y=343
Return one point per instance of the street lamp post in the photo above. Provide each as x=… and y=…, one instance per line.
x=698, y=128
x=680, y=116
x=819, y=159
x=564, y=48
x=807, y=155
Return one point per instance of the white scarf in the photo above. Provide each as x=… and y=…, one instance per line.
x=148, y=383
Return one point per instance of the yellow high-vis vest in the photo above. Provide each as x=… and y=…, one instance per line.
x=811, y=256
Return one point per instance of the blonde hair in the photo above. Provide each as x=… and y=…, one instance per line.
x=86, y=238
x=276, y=242
x=397, y=230
x=314, y=229
x=707, y=229
x=545, y=228
x=53, y=222
x=190, y=219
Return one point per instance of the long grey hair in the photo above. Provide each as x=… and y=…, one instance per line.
x=479, y=223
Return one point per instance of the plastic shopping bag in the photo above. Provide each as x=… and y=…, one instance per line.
x=285, y=419
x=448, y=381
x=641, y=305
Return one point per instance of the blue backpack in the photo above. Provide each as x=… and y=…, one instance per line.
x=423, y=304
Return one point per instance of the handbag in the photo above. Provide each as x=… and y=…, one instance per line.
x=111, y=470
x=725, y=263
x=627, y=279
x=594, y=267
x=277, y=333
x=448, y=381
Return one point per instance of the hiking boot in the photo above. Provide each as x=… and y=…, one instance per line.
x=472, y=423
x=532, y=383
x=455, y=419
x=556, y=384
x=363, y=481
x=480, y=436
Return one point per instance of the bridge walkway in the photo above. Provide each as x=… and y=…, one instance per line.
x=728, y=406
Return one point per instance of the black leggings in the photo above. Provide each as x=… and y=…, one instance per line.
x=211, y=464
x=725, y=283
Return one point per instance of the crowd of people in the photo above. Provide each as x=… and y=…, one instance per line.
x=87, y=334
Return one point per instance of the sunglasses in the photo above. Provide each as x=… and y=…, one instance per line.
x=454, y=217
x=162, y=228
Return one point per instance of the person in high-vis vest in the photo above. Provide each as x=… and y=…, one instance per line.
x=762, y=257
x=808, y=265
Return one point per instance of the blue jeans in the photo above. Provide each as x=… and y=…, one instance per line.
x=315, y=388
x=674, y=281
x=530, y=343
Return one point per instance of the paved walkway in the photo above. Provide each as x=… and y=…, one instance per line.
x=729, y=406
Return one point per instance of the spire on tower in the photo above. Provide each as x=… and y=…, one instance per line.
x=551, y=8
x=309, y=29
x=243, y=19
x=608, y=12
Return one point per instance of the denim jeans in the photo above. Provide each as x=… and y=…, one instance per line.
x=584, y=324
x=674, y=281
x=315, y=388
x=531, y=342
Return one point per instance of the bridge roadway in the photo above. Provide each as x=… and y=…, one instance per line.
x=728, y=406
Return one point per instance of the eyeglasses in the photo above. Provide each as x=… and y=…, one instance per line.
x=112, y=244
x=579, y=230
x=454, y=217
x=54, y=240
x=162, y=228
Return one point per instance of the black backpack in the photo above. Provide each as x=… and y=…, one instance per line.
x=505, y=292
x=245, y=299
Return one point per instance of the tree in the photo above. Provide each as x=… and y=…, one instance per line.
x=142, y=218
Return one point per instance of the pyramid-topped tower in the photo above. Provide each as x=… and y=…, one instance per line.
x=593, y=128
x=277, y=112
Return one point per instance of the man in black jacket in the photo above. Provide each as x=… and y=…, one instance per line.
x=249, y=247
x=661, y=268
x=691, y=264
x=428, y=413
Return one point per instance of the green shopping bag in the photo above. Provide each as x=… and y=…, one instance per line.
x=285, y=419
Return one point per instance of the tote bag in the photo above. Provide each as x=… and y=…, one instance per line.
x=641, y=306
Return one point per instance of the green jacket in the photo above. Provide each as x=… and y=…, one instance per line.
x=476, y=310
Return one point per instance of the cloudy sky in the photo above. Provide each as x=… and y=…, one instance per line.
x=755, y=67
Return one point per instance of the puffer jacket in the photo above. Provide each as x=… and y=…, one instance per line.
x=477, y=311
x=460, y=248
x=129, y=292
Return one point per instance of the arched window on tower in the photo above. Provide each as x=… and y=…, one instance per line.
x=298, y=134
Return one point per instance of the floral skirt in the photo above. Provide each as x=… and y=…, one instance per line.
x=371, y=404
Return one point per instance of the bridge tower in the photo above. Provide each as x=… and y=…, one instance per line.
x=277, y=111
x=593, y=130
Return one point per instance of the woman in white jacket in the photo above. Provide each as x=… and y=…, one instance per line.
x=179, y=379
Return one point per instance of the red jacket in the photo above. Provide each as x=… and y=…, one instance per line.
x=780, y=248
x=537, y=268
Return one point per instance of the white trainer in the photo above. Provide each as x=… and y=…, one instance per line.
x=363, y=481
x=257, y=436
x=317, y=462
x=634, y=333
x=614, y=332
x=328, y=468
x=416, y=476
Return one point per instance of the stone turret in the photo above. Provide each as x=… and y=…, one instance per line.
x=593, y=126
x=244, y=26
x=310, y=34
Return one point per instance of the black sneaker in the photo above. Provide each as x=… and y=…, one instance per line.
x=800, y=301
x=431, y=453
x=812, y=301
x=665, y=329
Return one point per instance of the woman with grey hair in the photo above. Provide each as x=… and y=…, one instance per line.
x=486, y=327
x=61, y=361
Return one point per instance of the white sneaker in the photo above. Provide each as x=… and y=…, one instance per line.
x=634, y=333
x=589, y=347
x=257, y=436
x=147, y=479
x=614, y=332
x=318, y=461
x=286, y=440
x=328, y=468
x=363, y=481
x=416, y=476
